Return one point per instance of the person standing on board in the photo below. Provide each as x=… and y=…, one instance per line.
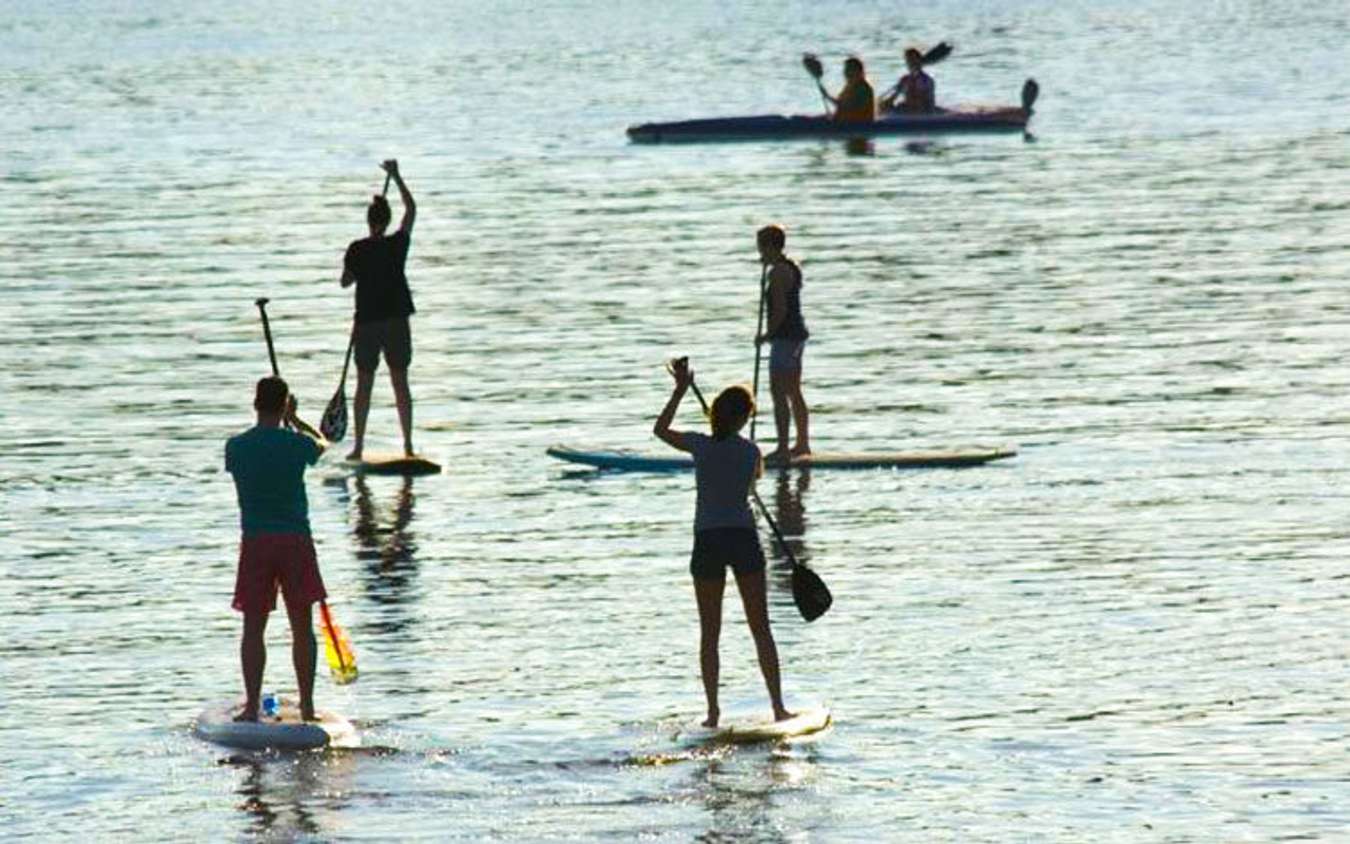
x=918, y=88
x=375, y=264
x=725, y=466
x=268, y=464
x=856, y=102
x=786, y=335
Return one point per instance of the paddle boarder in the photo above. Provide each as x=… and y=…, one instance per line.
x=786, y=334
x=856, y=102
x=375, y=264
x=917, y=87
x=268, y=464
x=725, y=466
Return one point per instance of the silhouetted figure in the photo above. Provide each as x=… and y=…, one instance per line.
x=785, y=332
x=375, y=264
x=725, y=466
x=916, y=89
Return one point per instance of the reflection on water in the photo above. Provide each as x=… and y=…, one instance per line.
x=290, y=796
x=386, y=547
x=743, y=797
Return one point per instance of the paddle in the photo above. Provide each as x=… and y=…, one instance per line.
x=812, y=64
x=933, y=56
x=809, y=592
x=337, y=647
x=333, y=425
x=759, y=329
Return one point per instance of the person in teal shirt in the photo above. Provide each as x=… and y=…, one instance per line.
x=276, y=551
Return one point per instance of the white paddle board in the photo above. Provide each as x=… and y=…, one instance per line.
x=284, y=731
x=756, y=730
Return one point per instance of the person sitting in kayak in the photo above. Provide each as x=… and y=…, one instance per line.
x=725, y=466
x=917, y=87
x=856, y=103
x=786, y=334
x=268, y=464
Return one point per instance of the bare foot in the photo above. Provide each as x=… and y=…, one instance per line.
x=247, y=714
x=781, y=457
x=408, y=450
x=711, y=720
x=800, y=450
x=781, y=714
x=355, y=455
x=307, y=713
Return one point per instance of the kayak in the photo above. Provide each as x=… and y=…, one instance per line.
x=780, y=126
x=628, y=461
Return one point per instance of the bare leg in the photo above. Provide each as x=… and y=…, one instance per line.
x=403, y=399
x=365, y=381
x=304, y=652
x=754, y=598
x=781, y=414
x=709, y=595
x=253, y=659
x=799, y=413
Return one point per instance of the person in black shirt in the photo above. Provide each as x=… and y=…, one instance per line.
x=383, y=304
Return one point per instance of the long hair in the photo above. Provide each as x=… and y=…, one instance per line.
x=730, y=410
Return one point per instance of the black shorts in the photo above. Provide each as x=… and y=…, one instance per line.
x=391, y=336
x=717, y=548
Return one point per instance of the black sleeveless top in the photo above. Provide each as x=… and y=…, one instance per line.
x=793, y=327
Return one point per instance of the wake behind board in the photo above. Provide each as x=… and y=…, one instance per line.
x=629, y=461
x=394, y=464
x=285, y=731
x=760, y=730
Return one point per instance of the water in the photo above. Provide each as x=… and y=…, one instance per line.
x=1134, y=631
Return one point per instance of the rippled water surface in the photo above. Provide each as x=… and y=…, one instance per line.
x=1136, y=630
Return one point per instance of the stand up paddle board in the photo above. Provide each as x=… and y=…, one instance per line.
x=759, y=730
x=284, y=731
x=395, y=464
x=628, y=461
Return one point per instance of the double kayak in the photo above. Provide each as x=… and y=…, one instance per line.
x=782, y=126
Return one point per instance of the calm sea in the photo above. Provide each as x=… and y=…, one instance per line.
x=1135, y=631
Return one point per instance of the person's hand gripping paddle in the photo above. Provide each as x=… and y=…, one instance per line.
x=333, y=426
x=809, y=592
x=336, y=646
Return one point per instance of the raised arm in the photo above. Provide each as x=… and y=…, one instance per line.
x=679, y=370
x=409, y=207
x=304, y=427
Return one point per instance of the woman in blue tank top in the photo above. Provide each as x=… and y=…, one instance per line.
x=725, y=466
x=786, y=334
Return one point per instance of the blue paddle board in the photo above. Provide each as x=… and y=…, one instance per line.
x=284, y=731
x=629, y=461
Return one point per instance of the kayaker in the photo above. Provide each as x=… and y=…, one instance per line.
x=375, y=264
x=725, y=466
x=268, y=464
x=917, y=87
x=785, y=332
x=856, y=103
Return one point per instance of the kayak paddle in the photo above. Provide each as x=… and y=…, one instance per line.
x=337, y=647
x=937, y=54
x=809, y=592
x=333, y=426
x=811, y=62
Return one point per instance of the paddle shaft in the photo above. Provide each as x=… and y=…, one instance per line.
x=272, y=355
x=754, y=493
x=759, y=329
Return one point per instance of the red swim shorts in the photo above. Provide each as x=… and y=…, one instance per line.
x=271, y=560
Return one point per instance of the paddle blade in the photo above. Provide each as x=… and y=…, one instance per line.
x=812, y=65
x=334, y=423
x=337, y=648
x=938, y=53
x=1030, y=91
x=810, y=593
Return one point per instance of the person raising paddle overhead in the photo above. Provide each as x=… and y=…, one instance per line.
x=268, y=464
x=725, y=466
x=786, y=335
x=375, y=264
x=917, y=87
